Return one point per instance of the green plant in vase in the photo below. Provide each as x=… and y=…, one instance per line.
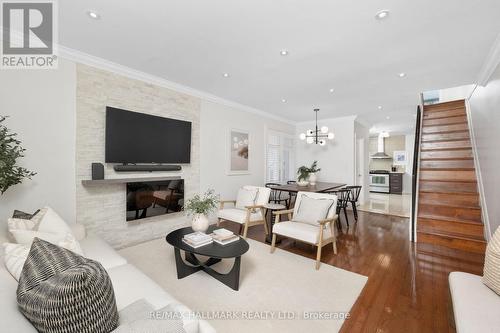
x=200, y=207
x=307, y=174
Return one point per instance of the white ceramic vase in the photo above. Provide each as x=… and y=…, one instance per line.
x=312, y=179
x=302, y=183
x=200, y=222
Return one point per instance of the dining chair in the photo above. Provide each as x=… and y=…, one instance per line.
x=353, y=199
x=277, y=196
x=343, y=195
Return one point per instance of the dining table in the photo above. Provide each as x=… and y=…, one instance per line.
x=319, y=187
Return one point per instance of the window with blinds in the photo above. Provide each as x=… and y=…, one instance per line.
x=279, y=157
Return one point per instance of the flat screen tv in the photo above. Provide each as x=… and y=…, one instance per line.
x=133, y=137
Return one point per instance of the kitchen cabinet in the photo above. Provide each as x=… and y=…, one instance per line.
x=396, y=183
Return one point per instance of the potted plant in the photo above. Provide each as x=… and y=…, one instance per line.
x=10, y=150
x=312, y=173
x=199, y=207
x=307, y=175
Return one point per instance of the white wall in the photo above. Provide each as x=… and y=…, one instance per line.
x=41, y=106
x=216, y=120
x=336, y=158
x=455, y=93
x=485, y=118
x=363, y=132
x=407, y=176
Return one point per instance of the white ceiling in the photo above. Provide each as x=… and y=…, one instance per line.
x=332, y=44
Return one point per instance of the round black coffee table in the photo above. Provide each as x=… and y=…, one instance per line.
x=214, y=251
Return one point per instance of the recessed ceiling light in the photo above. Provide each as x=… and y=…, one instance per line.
x=379, y=107
x=284, y=52
x=225, y=75
x=402, y=74
x=93, y=15
x=332, y=90
x=383, y=14
x=387, y=117
x=283, y=100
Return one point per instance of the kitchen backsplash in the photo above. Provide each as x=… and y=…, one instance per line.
x=392, y=144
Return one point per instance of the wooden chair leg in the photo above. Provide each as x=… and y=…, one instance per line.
x=245, y=231
x=264, y=215
x=273, y=243
x=320, y=245
x=334, y=243
x=318, y=257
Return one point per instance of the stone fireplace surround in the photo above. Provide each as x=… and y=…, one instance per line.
x=101, y=207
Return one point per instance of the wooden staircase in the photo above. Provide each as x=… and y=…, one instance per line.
x=449, y=213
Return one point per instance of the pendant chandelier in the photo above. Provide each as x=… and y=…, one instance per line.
x=318, y=135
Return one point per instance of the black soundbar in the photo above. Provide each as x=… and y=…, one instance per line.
x=145, y=167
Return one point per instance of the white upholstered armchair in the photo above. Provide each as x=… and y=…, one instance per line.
x=311, y=221
x=248, y=208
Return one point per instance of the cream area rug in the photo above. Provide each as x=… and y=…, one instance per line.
x=279, y=292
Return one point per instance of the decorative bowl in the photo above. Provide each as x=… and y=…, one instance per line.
x=303, y=183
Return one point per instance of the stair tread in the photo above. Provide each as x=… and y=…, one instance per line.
x=479, y=235
x=475, y=207
x=446, y=169
x=446, y=218
x=446, y=158
x=443, y=114
x=448, y=181
x=426, y=217
x=435, y=115
x=445, y=140
x=448, y=105
x=449, y=192
x=452, y=123
x=452, y=235
x=444, y=148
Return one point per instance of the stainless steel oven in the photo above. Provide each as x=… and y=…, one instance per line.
x=379, y=182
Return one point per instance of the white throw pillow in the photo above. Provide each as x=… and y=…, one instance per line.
x=50, y=221
x=19, y=224
x=491, y=273
x=66, y=240
x=246, y=197
x=16, y=224
x=312, y=210
x=14, y=258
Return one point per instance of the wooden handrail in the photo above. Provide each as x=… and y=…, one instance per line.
x=415, y=172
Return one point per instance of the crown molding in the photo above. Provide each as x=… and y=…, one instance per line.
x=307, y=122
x=90, y=60
x=490, y=64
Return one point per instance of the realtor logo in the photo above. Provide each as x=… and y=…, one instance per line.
x=29, y=35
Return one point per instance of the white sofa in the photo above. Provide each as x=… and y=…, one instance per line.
x=130, y=285
x=476, y=307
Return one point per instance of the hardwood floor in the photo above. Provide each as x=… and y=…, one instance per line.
x=407, y=288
